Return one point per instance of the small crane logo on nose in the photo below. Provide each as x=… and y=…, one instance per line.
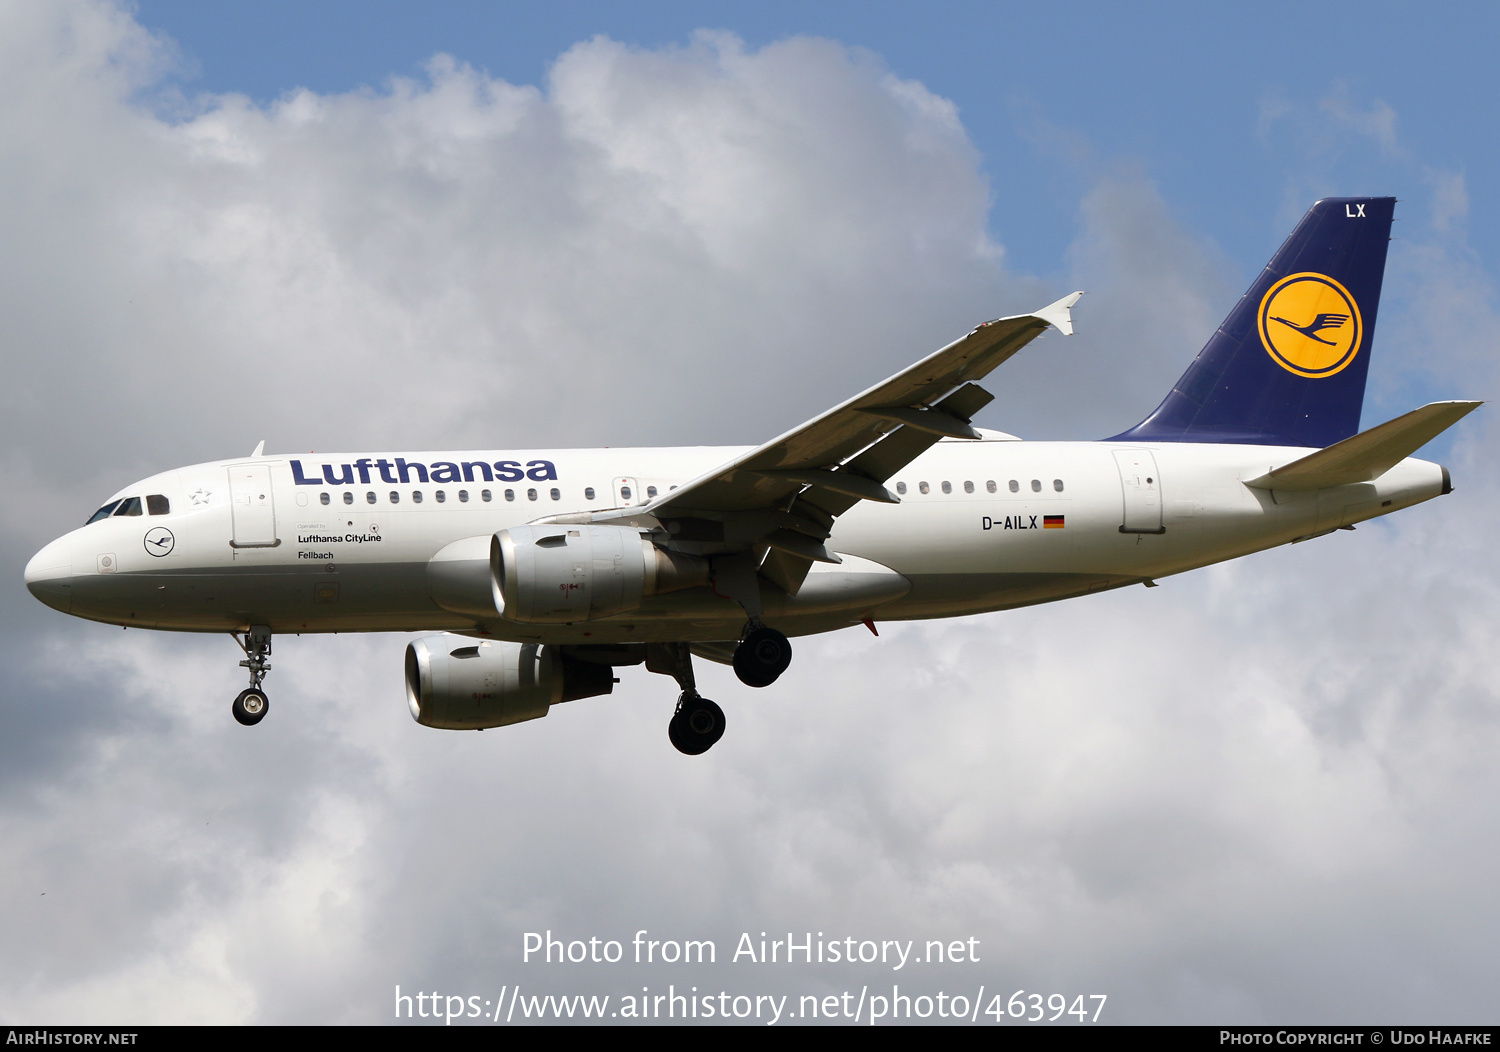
x=159, y=541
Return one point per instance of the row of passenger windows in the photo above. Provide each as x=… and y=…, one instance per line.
x=156, y=504
x=990, y=486
x=441, y=496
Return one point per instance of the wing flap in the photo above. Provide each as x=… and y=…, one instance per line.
x=899, y=448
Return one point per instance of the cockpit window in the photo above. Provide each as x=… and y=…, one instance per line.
x=104, y=512
x=157, y=504
x=129, y=506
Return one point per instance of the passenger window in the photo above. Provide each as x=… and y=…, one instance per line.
x=157, y=504
x=510, y=494
x=440, y=496
x=104, y=512
x=370, y=497
x=968, y=487
x=650, y=492
x=588, y=493
x=129, y=506
x=485, y=495
x=416, y=496
x=625, y=493
x=922, y=487
x=395, y=497
x=1036, y=485
x=1057, y=485
x=324, y=498
x=531, y=494
x=557, y=494
x=348, y=496
x=1015, y=487
x=901, y=487
x=463, y=496
x=990, y=486
x=947, y=486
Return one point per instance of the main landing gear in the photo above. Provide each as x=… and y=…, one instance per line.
x=696, y=723
x=252, y=705
x=762, y=656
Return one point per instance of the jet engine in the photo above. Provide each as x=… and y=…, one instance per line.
x=560, y=574
x=455, y=683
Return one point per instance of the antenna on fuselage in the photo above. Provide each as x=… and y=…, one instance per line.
x=260, y=447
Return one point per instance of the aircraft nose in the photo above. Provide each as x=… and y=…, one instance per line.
x=48, y=576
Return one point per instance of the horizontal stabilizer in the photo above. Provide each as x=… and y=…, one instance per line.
x=1369, y=454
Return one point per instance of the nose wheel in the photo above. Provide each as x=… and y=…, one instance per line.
x=696, y=725
x=252, y=705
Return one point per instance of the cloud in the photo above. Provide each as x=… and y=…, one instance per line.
x=1377, y=121
x=495, y=253
x=1450, y=199
x=1257, y=792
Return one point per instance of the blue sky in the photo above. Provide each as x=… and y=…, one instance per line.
x=1209, y=99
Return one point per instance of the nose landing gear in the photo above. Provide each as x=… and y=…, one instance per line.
x=252, y=705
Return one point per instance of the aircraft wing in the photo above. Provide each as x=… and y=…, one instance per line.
x=782, y=497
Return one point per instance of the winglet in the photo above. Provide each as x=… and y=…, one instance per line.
x=1058, y=314
x=260, y=447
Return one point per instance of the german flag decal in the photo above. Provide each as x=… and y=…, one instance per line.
x=1052, y=522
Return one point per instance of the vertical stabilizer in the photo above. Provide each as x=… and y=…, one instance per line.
x=1287, y=367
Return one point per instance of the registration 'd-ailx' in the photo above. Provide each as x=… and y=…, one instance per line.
x=539, y=573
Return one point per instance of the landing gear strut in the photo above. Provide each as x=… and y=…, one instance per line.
x=251, y=706
x=697, y=723
x=762, y=656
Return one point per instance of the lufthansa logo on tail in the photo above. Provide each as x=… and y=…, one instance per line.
x=1310, y=324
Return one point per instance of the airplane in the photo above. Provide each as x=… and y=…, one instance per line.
x=537, y=574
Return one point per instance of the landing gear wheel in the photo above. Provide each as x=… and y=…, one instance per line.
x=762, y=656
x=251, y=707
x=696, y=726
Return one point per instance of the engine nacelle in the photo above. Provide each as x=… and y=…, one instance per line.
x=561, y=574
x=456, y=683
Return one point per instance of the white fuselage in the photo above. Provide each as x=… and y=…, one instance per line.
x=981, y=526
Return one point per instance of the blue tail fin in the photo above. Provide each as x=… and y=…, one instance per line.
x=1287, y=367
